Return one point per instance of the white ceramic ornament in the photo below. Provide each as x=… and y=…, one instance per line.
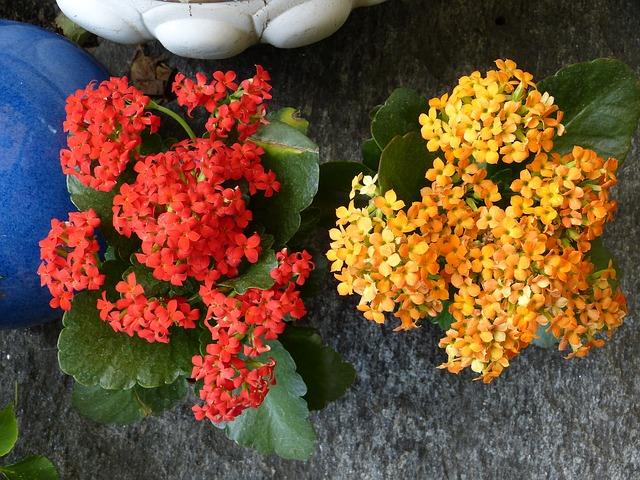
x=212, y=29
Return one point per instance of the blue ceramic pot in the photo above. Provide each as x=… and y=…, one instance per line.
x=38, y=70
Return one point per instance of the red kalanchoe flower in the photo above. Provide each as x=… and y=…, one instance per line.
x=233, y=378
x=232, y=108
x=148, y=318
x=188, y=207
x=192, y=94
x=295, y=267
x=105, y=126
x=190, y=221
x=69, y=257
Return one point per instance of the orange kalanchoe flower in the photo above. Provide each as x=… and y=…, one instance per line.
x=500, y=117
x=505, y=257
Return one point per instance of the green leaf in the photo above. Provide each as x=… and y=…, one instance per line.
x=600, y=256
x=291, y=117
x=281, y=424
x=295, y=160
x=144, y=276
x=315, y=283
x=35, y=467
x=85, y=198
x=323, y=370
x=308, y=231
x=545, y=339
x=403, y=165
x=601, y=105
x=278, y=138
x=258, y=275
x=444, y=319
x=126, y=406
x=91, y=352
x=152, y=143
x=374, y=111
x=110, y=254
x=398, y=116
x=371, y=154
x=335, y=185
x=71, y=30
x=113, y=271
x=8, y=429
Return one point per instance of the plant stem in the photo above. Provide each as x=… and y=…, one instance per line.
x=154, y=106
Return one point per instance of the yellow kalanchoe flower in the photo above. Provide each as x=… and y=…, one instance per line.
x=504, y=258
x=498, y=117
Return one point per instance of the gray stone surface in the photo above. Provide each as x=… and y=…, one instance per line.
x=545, y=418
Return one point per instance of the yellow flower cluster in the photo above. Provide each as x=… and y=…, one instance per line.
x=504, y=263
x=498, y=117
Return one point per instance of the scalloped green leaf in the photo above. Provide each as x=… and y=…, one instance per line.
x=8, y=429
x=323, y=370
x=85, y=198
x=113, y=271
x=316, y=281
x=144, y=276
x=398, y=116
x=35, y=467
x=403, y=165
x=91, y=352
x=308, y=232
x=258, y=275
x=601, y=104
x=123, y=407
x=152, y=143
x=281, y=424
x=335, y=185
x=444, y=319
x=371, y=154
x=295, y=160
x=291, y=117
x=600, y=256
x=278, y=137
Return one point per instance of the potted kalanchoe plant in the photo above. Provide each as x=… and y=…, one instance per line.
x=482, y=211
x=176, y=272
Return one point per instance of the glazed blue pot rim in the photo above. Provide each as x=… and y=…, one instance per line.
x=38, y=70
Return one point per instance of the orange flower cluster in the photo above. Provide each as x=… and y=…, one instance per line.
x=505, y=254
x=499, y=117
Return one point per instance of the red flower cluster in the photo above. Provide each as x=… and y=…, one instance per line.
x=69, y=258
x=234, y=379
x=181, y=205
x=188, y=206
x=149, y=318
x=105, y=126
x=190, y=222
x=231, y=108
x=192, y=94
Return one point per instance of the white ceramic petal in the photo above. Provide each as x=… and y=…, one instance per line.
x=217, y=29
x=116, y=20
x=307, y=22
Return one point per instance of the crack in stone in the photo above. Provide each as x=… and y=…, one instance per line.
x=265, y=23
